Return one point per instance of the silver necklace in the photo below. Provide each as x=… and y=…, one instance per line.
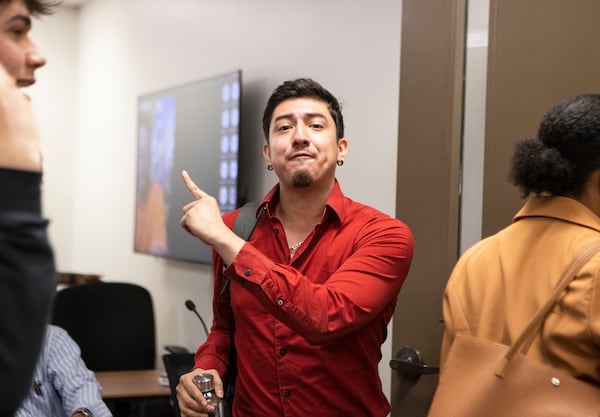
x=295, y=247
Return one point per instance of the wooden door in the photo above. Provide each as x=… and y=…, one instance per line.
x=540, y=51
x=430, y=123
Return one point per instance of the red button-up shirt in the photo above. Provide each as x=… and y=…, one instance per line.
x=308, y=330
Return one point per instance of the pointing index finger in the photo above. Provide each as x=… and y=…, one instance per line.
x=191, y=185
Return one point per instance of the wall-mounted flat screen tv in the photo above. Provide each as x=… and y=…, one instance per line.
x=193, y=127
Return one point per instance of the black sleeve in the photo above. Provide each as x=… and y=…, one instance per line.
x=27, y=283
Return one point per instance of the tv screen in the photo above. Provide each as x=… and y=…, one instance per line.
x=193, y=127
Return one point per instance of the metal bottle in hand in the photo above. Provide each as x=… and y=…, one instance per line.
x=205, y=383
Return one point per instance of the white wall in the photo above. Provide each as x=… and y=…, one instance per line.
x=473, y=145
x=54, y=102
x=110, y=51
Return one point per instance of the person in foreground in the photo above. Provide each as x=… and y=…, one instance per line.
x=498, y=285
x=62, y=385
x=27, y=274
x=312, y=291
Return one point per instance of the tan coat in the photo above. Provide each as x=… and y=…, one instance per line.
x=500, y=282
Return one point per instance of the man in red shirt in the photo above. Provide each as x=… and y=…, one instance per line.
x=312, y=291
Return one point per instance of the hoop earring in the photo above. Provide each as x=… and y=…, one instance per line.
x=269, y=167
x=340, y=162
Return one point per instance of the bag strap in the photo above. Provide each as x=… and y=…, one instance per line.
x=244, y=226
x=246, y=221
x=524, y=341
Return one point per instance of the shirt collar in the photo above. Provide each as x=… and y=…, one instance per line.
x=561, y=208
x=335, y=205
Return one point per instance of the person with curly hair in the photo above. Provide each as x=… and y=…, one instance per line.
x=498, y=284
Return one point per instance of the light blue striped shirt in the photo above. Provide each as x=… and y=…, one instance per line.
x=62, y=382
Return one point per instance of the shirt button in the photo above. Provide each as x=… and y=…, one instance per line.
x=286, y=393
x=276, y=231
x=279, y=302
x=248, y=272
x=282, y=352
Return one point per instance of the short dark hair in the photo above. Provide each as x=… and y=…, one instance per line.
x=566, y=152
x=298, y=88
x=38, y=7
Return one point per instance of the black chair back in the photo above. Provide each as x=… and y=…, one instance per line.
x=112, y=322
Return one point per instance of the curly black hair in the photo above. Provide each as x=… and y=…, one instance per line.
x=561, y=160
x=298, y=88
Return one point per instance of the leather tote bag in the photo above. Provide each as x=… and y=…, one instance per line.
x=487, y=379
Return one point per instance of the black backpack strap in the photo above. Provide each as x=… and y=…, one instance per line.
x=246, y=221
x=244, y=226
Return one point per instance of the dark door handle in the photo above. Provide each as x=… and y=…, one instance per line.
x=409, y=364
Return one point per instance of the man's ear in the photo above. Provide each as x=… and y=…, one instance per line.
x=342, y=145
x=267, y=153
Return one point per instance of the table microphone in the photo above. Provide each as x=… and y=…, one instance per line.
x=192, y=307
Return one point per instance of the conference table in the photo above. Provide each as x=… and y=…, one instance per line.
x=132, y=384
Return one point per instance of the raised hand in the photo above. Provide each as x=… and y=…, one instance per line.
x=19, y=134
x=202, y=219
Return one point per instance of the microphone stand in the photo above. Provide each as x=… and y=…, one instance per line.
x=192, y=307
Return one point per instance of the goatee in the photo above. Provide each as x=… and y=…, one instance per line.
x=302, y=179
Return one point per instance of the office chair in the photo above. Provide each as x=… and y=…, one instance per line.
x=112, y=322
x=177, y=364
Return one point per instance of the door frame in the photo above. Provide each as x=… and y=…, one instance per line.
x=428, y=201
